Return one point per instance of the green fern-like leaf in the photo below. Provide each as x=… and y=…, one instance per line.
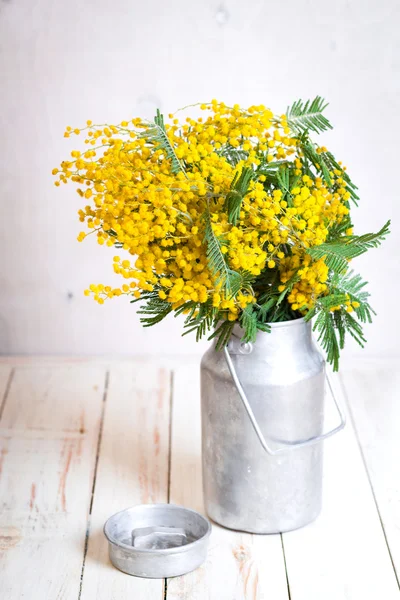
x=338, y=229
x=344, y=323
x=336, y=254
x=223, y=334
x=333, y=326
x=307, y=116
x=248, y=321
x=353, y=285
x=340, y=327
x=325, y=326
x=230, y=280
x=155, y=310
x=332, y=164
x=145, y=296
x=203, y=321
x=283, y=178
x=265, y=327
x=288, y=287
x=316, y=159
x=353, y=328
x=270, y=171
x=188, y=308
x=232, y=155
x=267, y=167
x=326, y=303
x=239, y=188
x=157, y=135
x=265, y=308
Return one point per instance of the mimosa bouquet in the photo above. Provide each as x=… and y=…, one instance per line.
x=233, y=217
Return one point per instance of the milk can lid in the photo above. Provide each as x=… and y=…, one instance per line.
x=157, y=540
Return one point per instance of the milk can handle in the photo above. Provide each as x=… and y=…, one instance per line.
x=286, y=445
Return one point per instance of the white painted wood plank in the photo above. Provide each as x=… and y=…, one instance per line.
x=6, y=373
x=239, y=566
x=132, y=469
x=373, y=398
x=343, y=555
x=48, y=436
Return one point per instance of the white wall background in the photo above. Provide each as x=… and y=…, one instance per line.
x=64, y=62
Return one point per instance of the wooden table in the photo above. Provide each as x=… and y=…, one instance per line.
x=82, y=439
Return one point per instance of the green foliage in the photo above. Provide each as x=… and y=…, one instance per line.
x=324, y=163
x=155, y=309
x=332, y=328
x=239, y=188
x=326, y=303
x=353, y=286
x=317, y=160
x=307, y=116
x=188, y=308
x=288, y=287
x=283, y=179
x=157, y=135
x=338, y=230
x=270, y=306
x=203, y=321
x=351, y=326
x=252, y=321
x=230, y=280
x=269, y=168
x=325, y=326
x=222, y=333
x=333, y=325
x=332, y=164
x=248, y=320
x=232, y=155
x=264, y=309
x=337, y=253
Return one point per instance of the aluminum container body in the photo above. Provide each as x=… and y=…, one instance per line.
x=283, y=376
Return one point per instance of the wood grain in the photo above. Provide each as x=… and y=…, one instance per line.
x=6, y=375
x=373, y=399
x=71, y=455
x=132, y=469
x=343, y=555
x=48, y=438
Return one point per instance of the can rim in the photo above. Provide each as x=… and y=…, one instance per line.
x=177, y=549
x=275, y=325
x=289, y=323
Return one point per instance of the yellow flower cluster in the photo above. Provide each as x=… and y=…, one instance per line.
x=151, y=204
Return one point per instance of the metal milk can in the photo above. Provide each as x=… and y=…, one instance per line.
x=262, y=422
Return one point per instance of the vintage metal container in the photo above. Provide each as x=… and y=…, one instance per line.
x=157, y=540
x=262, y=422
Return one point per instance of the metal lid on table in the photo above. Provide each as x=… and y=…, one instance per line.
x=157, y=540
